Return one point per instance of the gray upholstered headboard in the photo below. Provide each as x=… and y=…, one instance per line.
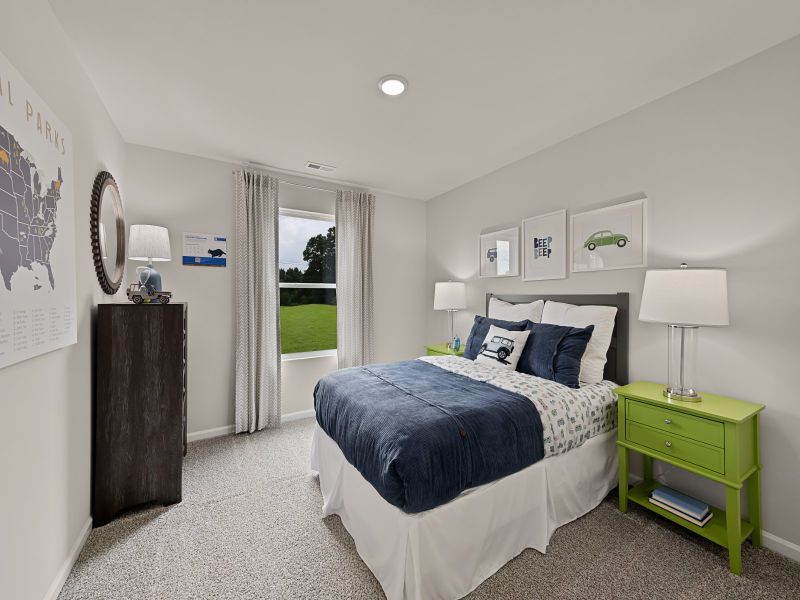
x=617, y=357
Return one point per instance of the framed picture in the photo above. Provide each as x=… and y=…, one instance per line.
x=610, y=238
x=500, y=253
x=544, y=247
x=206, y=249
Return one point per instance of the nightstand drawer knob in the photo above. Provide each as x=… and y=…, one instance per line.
x=668, y=421
x=668, y=444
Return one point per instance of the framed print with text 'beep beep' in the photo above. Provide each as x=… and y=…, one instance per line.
x=544, y=247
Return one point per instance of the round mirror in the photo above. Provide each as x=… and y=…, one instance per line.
x=108, y=232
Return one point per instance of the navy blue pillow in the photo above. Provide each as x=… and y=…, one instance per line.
x=480, y=329
x=554, y=352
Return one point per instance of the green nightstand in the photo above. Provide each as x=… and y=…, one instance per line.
x=716, y=438
x=440, y=349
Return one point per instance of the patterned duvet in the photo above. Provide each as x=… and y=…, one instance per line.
x=569, y=417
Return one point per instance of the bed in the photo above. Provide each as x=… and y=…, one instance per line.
x=428, y=532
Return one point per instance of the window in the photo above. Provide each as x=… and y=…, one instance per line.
x=307, y=263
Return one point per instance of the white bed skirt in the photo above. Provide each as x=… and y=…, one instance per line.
x=446, y=552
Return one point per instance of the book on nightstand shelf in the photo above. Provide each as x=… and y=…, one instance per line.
x=684, y=506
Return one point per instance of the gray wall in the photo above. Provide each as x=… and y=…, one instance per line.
x=45, y=402
x=186, y=193
x=720, y=163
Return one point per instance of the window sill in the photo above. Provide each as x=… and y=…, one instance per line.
x=306, y=355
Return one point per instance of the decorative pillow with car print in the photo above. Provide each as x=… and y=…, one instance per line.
x=502, y=347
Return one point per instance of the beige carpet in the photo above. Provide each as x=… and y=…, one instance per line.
x=250, y=527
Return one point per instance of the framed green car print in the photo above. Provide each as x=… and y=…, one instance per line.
x=608, y=238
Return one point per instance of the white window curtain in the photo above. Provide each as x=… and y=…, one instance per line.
x=258, y=366
x=354, y=296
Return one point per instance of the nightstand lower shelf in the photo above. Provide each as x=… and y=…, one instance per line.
x=715, y=530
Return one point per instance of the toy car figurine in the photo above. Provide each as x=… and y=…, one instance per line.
x=491, y=254
x=138, y=293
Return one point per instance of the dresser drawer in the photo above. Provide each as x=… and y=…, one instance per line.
x=702, y=455
x=672, y=421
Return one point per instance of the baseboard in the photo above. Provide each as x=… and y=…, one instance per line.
x=781, y=546
x=228, y=429
x=209, y=433
x=296, y=416
x=69, y=562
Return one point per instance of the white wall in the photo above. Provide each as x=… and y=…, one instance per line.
x=720, y=162
x=45, y=402
x=186, y=193
x=401, y=297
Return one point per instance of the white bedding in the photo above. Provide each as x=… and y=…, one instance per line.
x=569, y=417
x=446, y=552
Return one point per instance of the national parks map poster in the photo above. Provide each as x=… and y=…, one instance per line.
x=37, y=224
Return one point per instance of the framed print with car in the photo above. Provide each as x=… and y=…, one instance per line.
x=610, y=238
x=544, y=246
x=500, y=253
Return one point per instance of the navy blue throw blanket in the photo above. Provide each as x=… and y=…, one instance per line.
x=422, y=435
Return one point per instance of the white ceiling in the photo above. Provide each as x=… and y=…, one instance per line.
x=284, y=82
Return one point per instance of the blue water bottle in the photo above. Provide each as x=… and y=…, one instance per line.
x=456, y=343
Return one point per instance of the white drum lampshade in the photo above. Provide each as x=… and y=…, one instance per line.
x=450, y=296
x=684, y=299
x=690, y=297
x=149, y=243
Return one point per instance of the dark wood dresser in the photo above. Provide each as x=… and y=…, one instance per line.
x=140, y=407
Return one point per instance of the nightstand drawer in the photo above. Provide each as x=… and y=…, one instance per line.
x=702, y=455
x=672, y=421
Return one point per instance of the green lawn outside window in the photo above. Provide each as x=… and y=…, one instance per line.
x=308, y=328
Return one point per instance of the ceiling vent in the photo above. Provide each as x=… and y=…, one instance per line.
x=315, y=166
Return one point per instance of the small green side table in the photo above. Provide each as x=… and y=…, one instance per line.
x=440, y=349
x=716, y=438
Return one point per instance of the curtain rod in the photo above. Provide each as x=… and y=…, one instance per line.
x=276, y=172
x=303, y=185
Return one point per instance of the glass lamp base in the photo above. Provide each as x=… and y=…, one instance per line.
x=683, y=395
x=682, y=343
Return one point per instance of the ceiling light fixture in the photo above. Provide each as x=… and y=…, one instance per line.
x=392, y=85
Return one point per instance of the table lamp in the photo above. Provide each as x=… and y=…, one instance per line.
x=684, y=299
x=450, y=296
x=149, y=243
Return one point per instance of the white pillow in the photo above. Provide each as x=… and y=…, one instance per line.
x=532, y=311
x=602, y=317
x=502, y=348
